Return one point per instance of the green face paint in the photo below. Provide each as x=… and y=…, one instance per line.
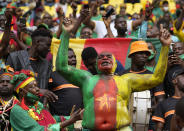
x=32, y=97
x=152, y=55
x=182, y=56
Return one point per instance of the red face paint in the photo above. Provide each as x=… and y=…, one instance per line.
x=105, y=63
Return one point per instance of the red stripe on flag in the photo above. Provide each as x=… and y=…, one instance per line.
x=117, y=46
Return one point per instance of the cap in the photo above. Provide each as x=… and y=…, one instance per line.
x=138, y=46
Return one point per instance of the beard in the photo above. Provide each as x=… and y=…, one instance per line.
x=122, y=31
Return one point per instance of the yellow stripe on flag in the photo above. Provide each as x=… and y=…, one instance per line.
x=76, y=44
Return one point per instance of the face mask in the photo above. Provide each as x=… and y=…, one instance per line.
x=113, y=17
x=182, y=57
x=32, y=97
x=152, y=55
x=166, y=8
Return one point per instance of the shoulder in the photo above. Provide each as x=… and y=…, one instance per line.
x=17, y=110
x=123, y=72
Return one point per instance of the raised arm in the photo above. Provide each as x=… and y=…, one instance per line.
x=142, y=82
x=179, y=21
x=6, y=36
x=75, y=76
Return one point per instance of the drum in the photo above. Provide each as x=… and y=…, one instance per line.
x=140, y=109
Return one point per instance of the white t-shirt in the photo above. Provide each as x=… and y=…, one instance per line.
x=101, y=30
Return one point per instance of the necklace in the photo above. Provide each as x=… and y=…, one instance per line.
x=34, y=111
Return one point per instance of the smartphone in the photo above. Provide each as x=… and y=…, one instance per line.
x=109, y=12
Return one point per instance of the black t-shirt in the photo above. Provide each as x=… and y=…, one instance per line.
x=156, y=91
x=165, y=111
x=67, y=93
x=41, y=67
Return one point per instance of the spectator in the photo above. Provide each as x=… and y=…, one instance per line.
x=166, y=109
x=7, y=100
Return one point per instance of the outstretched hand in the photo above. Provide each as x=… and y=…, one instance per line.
x=77, y=115
x=165, y=36
x=68, y=25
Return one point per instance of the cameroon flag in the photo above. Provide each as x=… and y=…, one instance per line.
x=118, y=46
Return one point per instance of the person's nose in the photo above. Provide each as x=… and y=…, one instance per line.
x=105, y=57
x=5, y=83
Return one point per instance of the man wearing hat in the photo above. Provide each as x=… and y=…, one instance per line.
x=29, y=114
x=139, y=54
x=166, y=109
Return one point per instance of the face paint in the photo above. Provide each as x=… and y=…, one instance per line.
x=182, y=56
x=111, y=62
x=152, y=55
x=32, y=97
x=105, y=66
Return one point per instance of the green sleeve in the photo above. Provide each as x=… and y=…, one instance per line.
x=140, y=82
x=75, y=76
x=21, y=121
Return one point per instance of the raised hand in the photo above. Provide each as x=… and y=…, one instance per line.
x=84, y=13
x=165, y=37
x=68, y=24
x=77, y=115
x=107, y=21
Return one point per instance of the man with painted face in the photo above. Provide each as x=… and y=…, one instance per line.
x=7, y=100
x=105, y=96
x=89, y=56
x=29, y=114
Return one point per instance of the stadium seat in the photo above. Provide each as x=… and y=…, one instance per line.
x=129, y=8
x=116, y=2
x=137, y=7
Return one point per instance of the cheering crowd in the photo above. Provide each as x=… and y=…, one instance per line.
x=39, y=93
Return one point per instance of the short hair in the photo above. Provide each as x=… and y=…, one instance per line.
x=41, y=32
x=70, y=49
x=86, y=27
x=88, y=53
x=179, y=108
x=171, y=74
x=119, y=16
